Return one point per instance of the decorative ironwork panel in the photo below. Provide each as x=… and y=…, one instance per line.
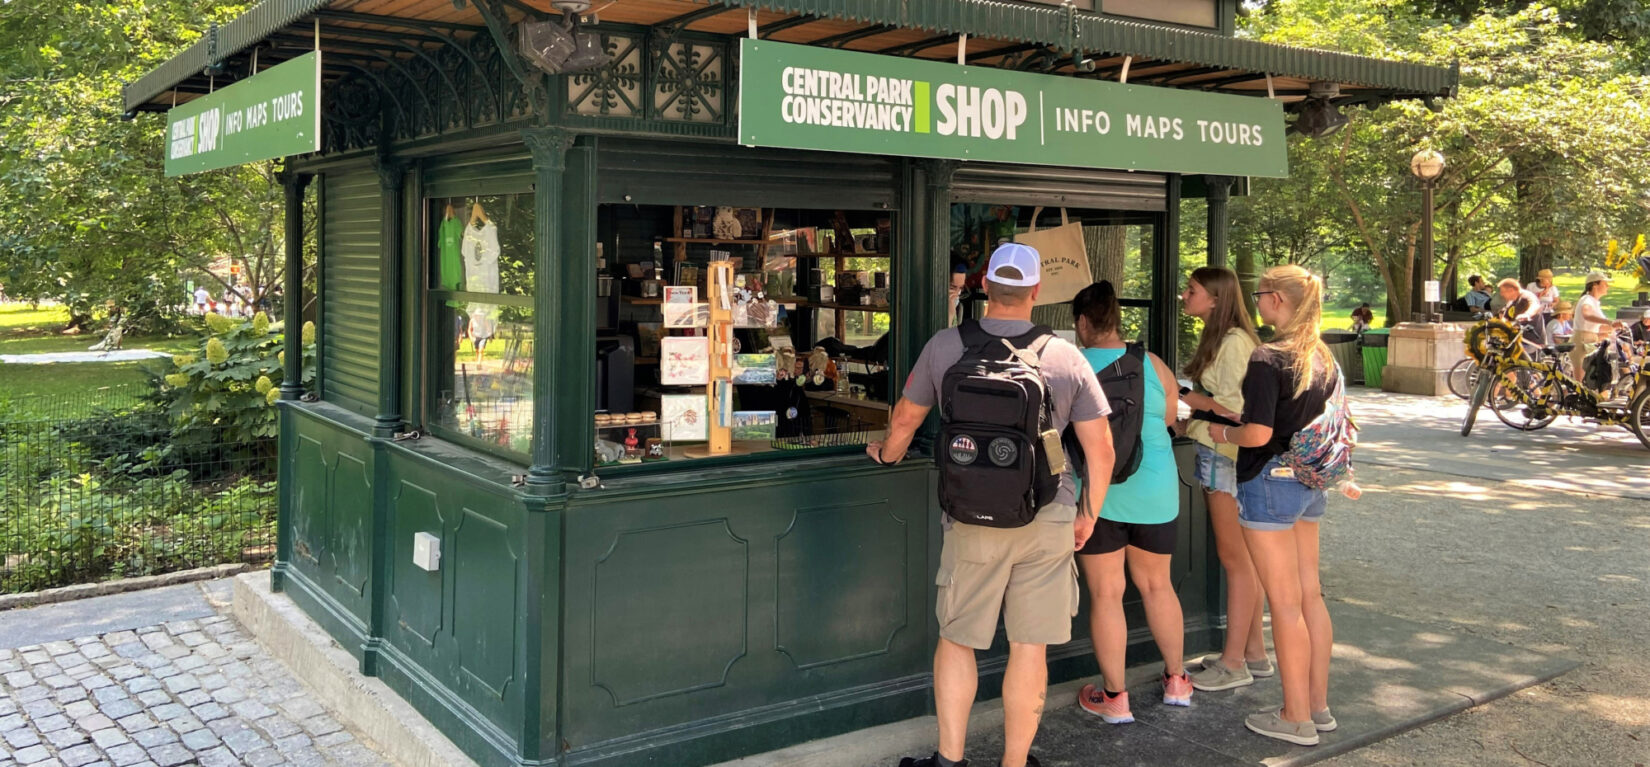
x=616, y=89
x=690, y=81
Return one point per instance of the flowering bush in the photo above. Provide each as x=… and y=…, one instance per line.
x=233, y=386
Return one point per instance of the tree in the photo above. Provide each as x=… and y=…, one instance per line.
x=1542, y=139
x=92, y=219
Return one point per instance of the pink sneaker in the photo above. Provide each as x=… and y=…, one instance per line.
x=1177, y=690
x=1111, y=711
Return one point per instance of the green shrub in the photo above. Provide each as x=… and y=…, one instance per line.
x=229, y=389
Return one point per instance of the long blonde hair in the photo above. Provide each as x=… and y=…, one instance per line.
x=1224, y=289
x=1298, y=338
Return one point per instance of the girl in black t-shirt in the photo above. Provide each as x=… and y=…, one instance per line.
x=1287, y=385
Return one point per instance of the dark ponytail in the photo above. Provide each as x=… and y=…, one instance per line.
x=1098, y=304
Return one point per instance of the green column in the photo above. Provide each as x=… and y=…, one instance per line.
x=292, y=308
x=928, y=271
x=391, y=172
x=1163, y=326
x=1219, y=196
x=560, y=306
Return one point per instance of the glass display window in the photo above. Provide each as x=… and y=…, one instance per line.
x=740, y=331
x=479, y=387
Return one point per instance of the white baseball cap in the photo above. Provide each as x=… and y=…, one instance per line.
x=1023, y=258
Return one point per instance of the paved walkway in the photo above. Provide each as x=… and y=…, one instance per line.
x=118, y=355
x=155, y=679
x=1403, y=430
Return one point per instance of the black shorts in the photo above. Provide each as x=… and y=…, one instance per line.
x=1110, y=536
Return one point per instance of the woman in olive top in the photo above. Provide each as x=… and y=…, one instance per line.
x=1214, y=295
x=1137, y=524
x=1287, y=386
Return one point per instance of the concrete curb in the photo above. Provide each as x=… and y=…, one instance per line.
x=105, y=588
x=332, y=674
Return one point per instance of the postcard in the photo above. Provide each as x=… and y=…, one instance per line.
x=754, y=369
x=686, y=315
x=681, y=294
x=685, y=361
x=754, y=424
x=684, y=417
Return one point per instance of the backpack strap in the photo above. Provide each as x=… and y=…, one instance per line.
x=974, y=337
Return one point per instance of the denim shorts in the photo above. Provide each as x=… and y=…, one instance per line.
x=1216, y=472
x=1276, y=502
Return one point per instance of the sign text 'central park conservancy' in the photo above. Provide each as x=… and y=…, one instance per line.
x=802, y=97
x=274, y=113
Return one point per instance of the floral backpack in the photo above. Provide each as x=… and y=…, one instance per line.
x=1321, y=454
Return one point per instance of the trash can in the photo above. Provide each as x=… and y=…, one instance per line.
x=1344, y=345
x=1374, y=354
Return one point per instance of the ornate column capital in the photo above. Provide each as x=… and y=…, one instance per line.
x=548, y=146
x=290, y=178
x=391, y=172
x=938, y=174
x=1219, y=188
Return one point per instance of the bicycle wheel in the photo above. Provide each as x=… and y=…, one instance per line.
x=1638, y=416
x=1463, y=377
x=1512, y=412
x=1480, y=392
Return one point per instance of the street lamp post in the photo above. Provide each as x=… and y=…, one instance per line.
x=1427, y=165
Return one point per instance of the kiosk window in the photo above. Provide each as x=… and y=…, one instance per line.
x=480, y=347
x=733, y=331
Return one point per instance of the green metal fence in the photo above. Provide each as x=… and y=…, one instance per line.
x=98, y=486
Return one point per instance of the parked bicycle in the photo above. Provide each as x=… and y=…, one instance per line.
x=1463, y=376
x=1528, y=394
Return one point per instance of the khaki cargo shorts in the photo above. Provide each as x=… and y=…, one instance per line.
x=1026, y=574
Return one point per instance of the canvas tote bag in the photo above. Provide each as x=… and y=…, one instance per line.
x=1065, y=259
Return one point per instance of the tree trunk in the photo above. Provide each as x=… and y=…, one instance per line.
x=1248, y=276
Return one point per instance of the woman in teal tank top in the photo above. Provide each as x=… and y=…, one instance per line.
x=1137, y=524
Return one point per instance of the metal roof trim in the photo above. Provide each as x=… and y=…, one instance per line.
x=1056, y=26
x=243, y=32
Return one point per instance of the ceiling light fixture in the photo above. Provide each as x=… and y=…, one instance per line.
x=1317, y=116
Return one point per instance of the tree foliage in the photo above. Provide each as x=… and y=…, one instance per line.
x=91, y=218
x=1543, y=143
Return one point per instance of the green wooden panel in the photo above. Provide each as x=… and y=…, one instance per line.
x=682, y=172
x=330, y=517
x=349, y=327
x=457, y=638
x=508, y=171
x=700, y=601
x=839, y=561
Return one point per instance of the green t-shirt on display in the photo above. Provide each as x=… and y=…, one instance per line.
x=449, y=240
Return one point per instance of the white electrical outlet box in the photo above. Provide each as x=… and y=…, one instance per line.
x=427, y=552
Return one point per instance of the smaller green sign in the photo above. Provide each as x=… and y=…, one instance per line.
x=274, y=113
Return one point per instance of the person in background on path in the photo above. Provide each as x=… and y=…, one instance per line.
x=202, y=298
x=1547, y=293
x=1560, y=328
x=1362, y=318
x=1024, y=574
x=1641, y=333
x=1591, y=324
x=1214, y=295
x=1137, y=525
x=1478, y=298
x=1288, y=385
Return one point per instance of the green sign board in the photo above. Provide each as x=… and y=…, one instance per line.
x=802, y=97
x=274, y=113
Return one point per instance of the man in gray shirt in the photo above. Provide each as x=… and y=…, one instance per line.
x=1026, y=574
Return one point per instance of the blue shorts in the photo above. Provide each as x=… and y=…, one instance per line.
x=1216, y=472
x=1273, y=501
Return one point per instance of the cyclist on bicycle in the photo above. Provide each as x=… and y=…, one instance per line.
x=1561, y=328
x=1523, y=308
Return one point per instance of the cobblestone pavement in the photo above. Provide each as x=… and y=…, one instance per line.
x=186, y=692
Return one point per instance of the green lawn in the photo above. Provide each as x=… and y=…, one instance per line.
x=67, y=389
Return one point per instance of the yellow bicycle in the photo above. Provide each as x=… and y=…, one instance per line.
x=1528, y=394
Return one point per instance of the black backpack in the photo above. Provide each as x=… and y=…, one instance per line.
x=1124, y=383
x=995, y=414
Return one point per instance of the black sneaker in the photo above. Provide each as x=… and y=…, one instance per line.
x=934, y=761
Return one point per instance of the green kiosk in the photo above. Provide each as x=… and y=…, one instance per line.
x=610, y=296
